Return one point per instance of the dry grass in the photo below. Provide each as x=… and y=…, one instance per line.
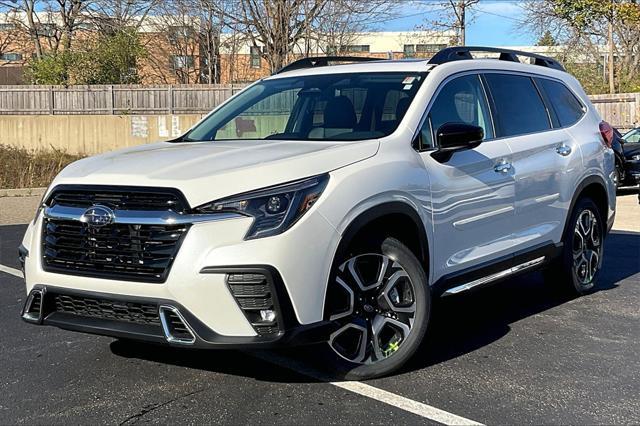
x=20, y=168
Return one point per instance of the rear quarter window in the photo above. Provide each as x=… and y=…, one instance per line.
x=568, y=108
x=519, y=107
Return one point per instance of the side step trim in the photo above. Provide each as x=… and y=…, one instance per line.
x=493, y=277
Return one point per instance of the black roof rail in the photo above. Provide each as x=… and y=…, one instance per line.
x=458, y=53
x=323, y=61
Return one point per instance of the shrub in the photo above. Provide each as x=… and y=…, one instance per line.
x=26, y=169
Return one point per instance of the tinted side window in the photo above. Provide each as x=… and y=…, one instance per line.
x=567, y=107
x=461, y=100
x=519, y=107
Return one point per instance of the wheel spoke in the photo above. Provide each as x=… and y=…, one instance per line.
x=350, y=342
x=380, y=311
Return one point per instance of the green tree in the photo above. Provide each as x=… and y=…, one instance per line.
x=112, y=59
x=115, y=59
x=547, y=39
x=53, y=68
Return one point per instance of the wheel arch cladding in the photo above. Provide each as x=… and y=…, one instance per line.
x=391, y=219
x=592, y=187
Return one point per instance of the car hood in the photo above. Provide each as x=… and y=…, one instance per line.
x=631, y=149
x=206, y=171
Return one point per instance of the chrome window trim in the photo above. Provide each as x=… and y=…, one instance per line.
x=139, y=217
x=480, y=72
x=427, y=110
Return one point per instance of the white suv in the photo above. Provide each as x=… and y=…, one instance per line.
x=331, y=204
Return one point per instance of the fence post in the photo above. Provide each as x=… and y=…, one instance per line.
x=50, y=100
x=110, y=100
x=636, y=118
x=170, y=93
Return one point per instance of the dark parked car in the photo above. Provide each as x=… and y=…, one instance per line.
x=630, y=142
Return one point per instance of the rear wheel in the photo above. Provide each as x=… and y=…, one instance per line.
x=380, y=301
x=618, y=176
x=583, y=248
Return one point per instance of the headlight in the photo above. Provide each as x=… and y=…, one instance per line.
x=274, y=209
x=635, y=157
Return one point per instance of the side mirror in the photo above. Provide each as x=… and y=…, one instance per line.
x=454, y=137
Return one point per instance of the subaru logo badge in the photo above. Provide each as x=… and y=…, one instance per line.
x=98, y=216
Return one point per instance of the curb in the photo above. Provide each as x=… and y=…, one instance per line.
x=22, y=192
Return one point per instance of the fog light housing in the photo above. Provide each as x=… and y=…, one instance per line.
x=267, y=315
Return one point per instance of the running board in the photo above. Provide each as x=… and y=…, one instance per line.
x=494, y=277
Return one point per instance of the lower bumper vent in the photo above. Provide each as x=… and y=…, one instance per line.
x=175, y=327
x=255, y=297
x=140, y=313
x=33, y=307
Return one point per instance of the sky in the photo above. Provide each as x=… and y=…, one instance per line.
x=491, y=22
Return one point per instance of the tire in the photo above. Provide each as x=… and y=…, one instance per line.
x=583, y=248
x=383, y=326
x=619, y=176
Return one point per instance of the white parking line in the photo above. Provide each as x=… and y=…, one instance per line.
x=11, y=271
x=406, y=404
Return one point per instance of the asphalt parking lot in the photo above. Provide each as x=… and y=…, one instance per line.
x=516, y=353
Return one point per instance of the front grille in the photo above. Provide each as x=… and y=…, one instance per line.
x=119, y=251
x=254, y=295
x=140, y=313
x=129, y=199
x=128, y=252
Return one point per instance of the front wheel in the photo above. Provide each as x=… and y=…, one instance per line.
x=379, y=299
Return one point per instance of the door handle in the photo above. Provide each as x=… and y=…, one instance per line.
x=563, y=149
x=502, y=167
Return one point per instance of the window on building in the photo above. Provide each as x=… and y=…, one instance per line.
x=332, y=50
x=47, y=30
x=429, y=48
x=11, y=56
x=183, y=61
x=409, y=50
x=179, y=32
x=519, y=107
x=357, y=48
x=7, y=26
x=256, y=57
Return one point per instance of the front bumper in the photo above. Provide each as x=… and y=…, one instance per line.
x=154, y=320
x=299, y=259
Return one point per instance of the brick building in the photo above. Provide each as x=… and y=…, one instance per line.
x=176, y=53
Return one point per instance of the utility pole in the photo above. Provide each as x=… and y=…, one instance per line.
x=462, y=6
x=460, y=11
x=612, y=84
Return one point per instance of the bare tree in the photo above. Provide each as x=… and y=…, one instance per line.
x=276, y=26
x=606, y=33
x=111, y=16
x=339, y=25
x=453, y=16
x=24, y=16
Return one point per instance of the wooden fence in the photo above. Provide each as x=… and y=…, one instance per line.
x=113, y=100
x=622, y=110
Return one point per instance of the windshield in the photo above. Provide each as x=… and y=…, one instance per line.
x=326, y=107
x=632, y=137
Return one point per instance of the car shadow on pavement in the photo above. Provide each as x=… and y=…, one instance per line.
x=465, y=323
x=459, y=324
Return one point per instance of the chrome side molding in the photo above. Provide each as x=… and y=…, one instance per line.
x=494, y=277
x=139, y=217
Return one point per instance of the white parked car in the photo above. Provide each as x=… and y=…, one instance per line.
x=332, y=205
